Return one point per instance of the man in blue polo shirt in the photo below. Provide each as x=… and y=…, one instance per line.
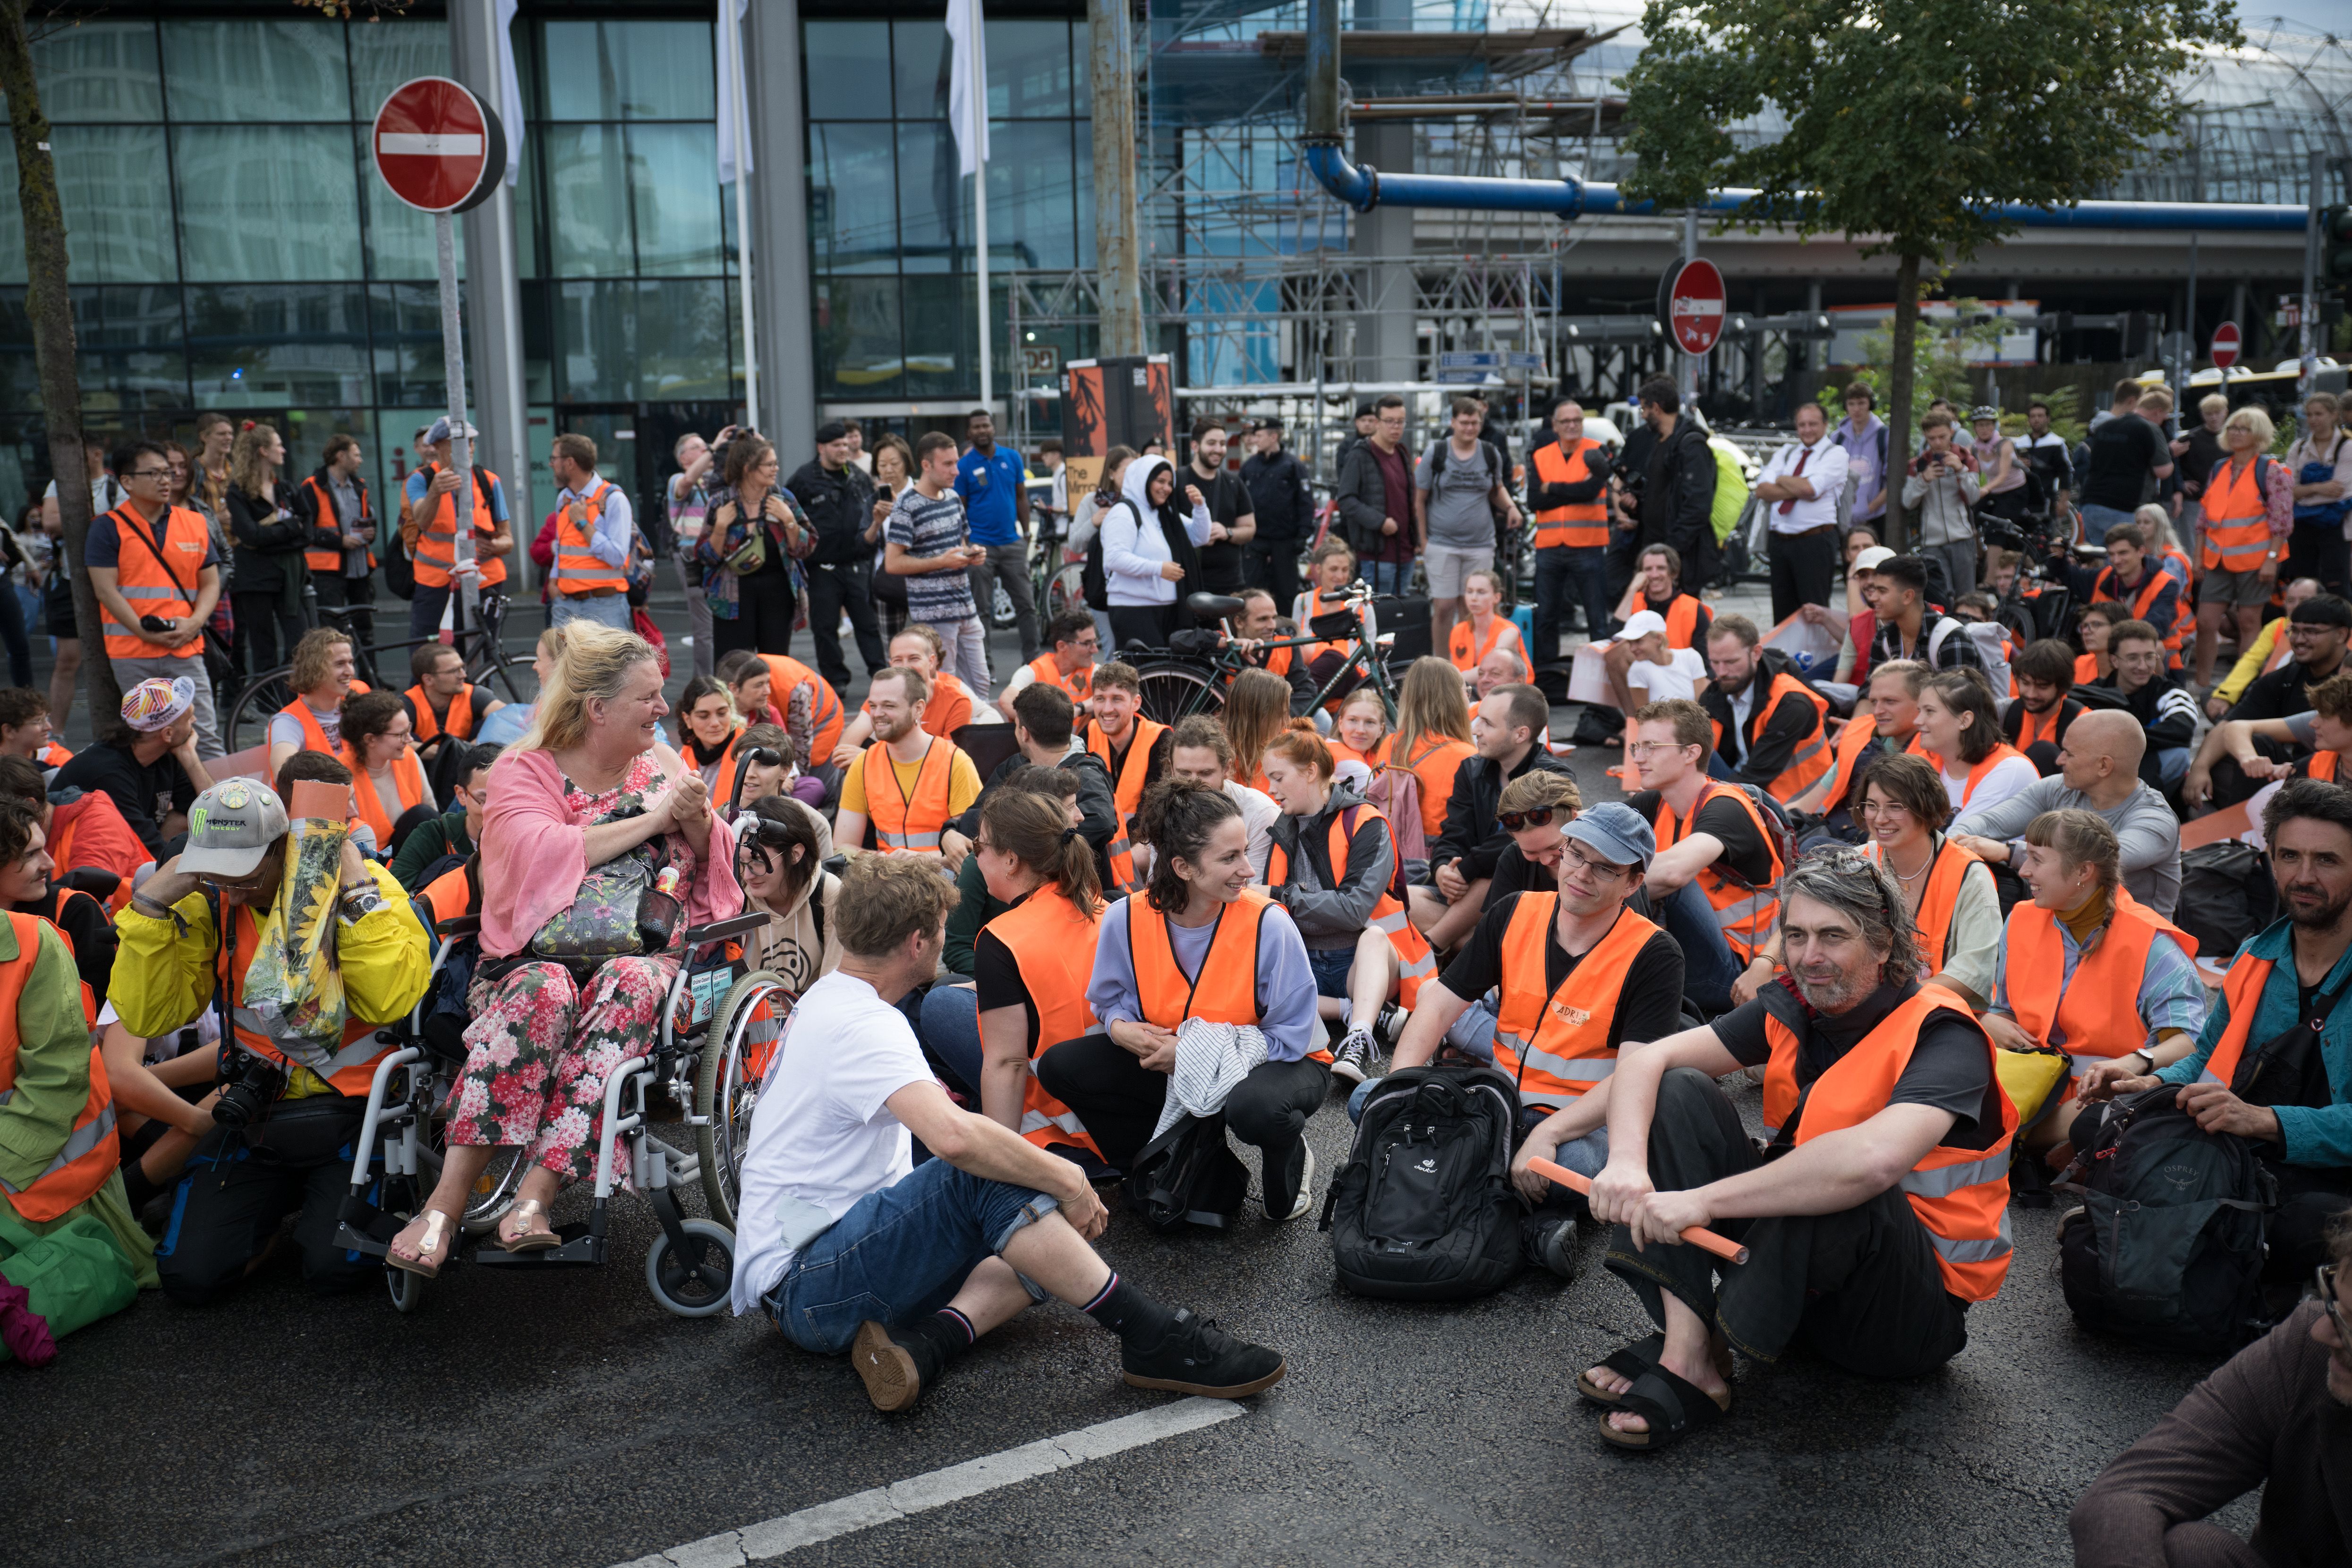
x=996, y=505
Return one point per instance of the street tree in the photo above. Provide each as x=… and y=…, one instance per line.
x=1907, y=125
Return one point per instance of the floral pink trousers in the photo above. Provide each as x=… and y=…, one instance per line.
x=539, y=1050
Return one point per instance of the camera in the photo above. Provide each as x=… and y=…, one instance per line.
x=252, y=1085
x=155, y=623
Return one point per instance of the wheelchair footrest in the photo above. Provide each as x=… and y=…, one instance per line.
x=578, y=1249
x=352, y=1240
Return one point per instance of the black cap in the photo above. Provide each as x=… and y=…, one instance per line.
x=832, y=430
x=2323, y=610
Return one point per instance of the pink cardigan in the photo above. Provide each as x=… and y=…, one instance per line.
x=535, y=853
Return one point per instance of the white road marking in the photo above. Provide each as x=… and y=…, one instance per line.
x=885, y=1505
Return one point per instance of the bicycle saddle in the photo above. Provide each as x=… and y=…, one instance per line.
x=1212, y=607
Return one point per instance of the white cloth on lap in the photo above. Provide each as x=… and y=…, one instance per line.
x=1211, y=1059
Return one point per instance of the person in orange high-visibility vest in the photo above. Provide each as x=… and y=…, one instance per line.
x=429, y=525
x=1568, y=492
x=389, y=792
x=1768, y=722
x=322, y=676
x=191, y=936
x=2136, y=578
x=809, y=709
x=148, y=558
x=1856, y=1045
x=443, y=704
x=1714, y=881
x=1960, y=726
x=1135, y=750
x=1552, y=982
x=335, y=504
x=2240, y=1076
x=1072, y=642
x=909, y=785
x=2239, y=551
x=593, y=530
x=1333, y=865
x=1483, y=628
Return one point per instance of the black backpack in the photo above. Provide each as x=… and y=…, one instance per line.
x=1187, y=1175
x=2167, y=1248
x=2227, y=894
x=1424, y=1210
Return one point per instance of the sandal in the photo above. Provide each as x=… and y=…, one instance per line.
x=1629, y=1362
x=1674, y=1409
x=534, y=1235
x=433, y=1246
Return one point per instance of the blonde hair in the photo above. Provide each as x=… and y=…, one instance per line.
x=594, y=666
x=247, y=469
x=1428, y=702
x=550, y=641
x=1257, y=711
x=1366, y=694
x=2255, y=420
x=314, y=656
x=1539, y=787
x=2210, y=401
x=2155, y=397
x=2159, y=525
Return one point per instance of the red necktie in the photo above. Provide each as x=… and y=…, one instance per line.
x=1790, y=504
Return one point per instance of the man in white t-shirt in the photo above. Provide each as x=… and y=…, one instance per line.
x=850, y=1245
x=1664, y=673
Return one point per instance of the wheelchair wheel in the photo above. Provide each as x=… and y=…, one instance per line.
x=406, y=1290
x=697, y=1285
x=494, y=1189
x=735, y=1056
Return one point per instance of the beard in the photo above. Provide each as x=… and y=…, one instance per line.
x=899, y=730
x=2315, y=917
x=1838, y=994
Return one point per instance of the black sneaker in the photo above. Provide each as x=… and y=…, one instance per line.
x=1195, y=1356
x=1549, y=1242
x=894, y=1369
x=1353, y=1058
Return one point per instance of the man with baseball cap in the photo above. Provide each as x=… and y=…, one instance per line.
x=148, y=764
x=429, y=527
x=1573, y=974
x=291, y=1107
x=1644, y=666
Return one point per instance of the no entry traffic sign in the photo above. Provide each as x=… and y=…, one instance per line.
x=438, y=147
x=1690, y=305
x=2227, y=341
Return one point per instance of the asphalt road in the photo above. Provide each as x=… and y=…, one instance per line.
x=564, y=1420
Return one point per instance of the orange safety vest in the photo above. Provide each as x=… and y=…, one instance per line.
x=2001, y=753
x=1127, y=792
x=147, y=570
x=2144, y=600
x=2281, y=650
x=332, y=561
x=448, y=895
x=1458, y=643
x=1962, y=1195
x=2095, y=1017
x=2321, y=766
x=1053, y=946
x=1682, y=619
x=826, y=715
x=578, y=574
x=91, y=832
x=2030, y=729
x=348, y=1071
x=1224, y=992
x=314, y=734
x=1934, y=918
x=436, y=536
x=459, y=722
x=1810, y=760
x=1746, y=915
x=1438, y=760
x=1556, y=1043
x=1581, y=527
x=91, y=1151
x=1415, y=962
x=2242, y=989
x=2236, y=529
x=407, y=779
x=54, y=755
x=909, y=824
x=948, y=710
x=2086, y=668
x=1080, y=686
x=1859, y=733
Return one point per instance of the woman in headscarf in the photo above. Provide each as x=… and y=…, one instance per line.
x=1151, y=553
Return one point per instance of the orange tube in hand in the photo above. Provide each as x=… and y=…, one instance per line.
x=1697, y=1236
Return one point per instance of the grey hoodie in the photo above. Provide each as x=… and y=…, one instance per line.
x=1332, y=906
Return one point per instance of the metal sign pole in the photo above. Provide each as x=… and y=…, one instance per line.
x=461, y=448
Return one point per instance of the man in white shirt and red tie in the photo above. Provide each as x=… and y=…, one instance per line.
x=1802, y=485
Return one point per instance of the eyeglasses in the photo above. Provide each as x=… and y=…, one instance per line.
x=1597, y=869
x=1640, y=749
x=1540, y=816
x=151, y=474
x=2326, y=1277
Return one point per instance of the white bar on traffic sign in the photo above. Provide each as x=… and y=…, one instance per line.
x=419, y=145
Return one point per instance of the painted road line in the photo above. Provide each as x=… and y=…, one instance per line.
x=935, y=1489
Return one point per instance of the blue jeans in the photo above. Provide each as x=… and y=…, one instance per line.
x=899, y=1255
x=950, y=1032
x=1562, y=571
x=2172, y=763
x=1710, y=966
x=2097, y=520
x=1386, y=577
x=612, y=610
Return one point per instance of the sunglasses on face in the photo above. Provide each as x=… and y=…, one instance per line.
x=1542, y=816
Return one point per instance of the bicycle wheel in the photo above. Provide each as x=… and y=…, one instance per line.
x=249, y=715
x=1172, y=691
x=514, y=679
x=1065, y=591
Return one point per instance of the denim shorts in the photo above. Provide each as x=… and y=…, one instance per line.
x=1332, y=969
x=901, y=1254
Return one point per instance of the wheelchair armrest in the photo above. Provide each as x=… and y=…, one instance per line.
x=460, y=925
x=720, y=931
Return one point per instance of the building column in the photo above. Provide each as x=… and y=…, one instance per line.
x=492, y=295
x=1385, y=336
x=781, y=285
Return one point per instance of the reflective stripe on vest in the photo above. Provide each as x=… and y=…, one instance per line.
x=1811, y=759
x=2236, y=527
x=827, y=718
x=436, y=537
x=1584, y=526
x=1415, y=962
x=1962, y=1195
x=1745, y=915
x=152, y=588
x=349, y=1069
x=332, y=561
x=1127, y=790
x=2094, y=1013
x=91, y=1151
x=1053, y=945
x=578, y=573
x=909, y=823
x=1561, y=1037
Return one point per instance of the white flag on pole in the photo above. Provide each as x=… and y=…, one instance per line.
x=968, y=107
x=510, y=91
x=732, y=145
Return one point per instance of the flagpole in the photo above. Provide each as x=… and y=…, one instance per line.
x=980, y=232
x=742, y=129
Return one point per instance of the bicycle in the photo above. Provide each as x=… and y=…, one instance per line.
x=1178, y=682
x=512, y=677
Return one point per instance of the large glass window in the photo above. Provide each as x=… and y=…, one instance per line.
x=99, y=71
x=258, y=345
x=853, y=220
x=630, y=70
x=385, y=54
x=263, y=72
x=848, y=70
x=268, y=201
x=589, y=212
x=674, y=196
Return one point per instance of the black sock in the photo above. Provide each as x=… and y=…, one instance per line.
x=934, y=1340
x=1129, y=1312
x=137, y=1188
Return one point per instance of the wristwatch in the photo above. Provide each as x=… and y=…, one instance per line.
x=2143, y=1054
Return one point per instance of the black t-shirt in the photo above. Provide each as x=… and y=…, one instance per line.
x=2205, y=451
x=1229, y=501
x=86, y=925
x=1745, y=850
x=1949, y=1069
x=1514, y=873
x=146, y=794
x=2280, y=694
x=998, y=979
x=2123, y=453
x=1649, y=1001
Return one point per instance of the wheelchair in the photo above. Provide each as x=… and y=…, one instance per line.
x=690, y=1266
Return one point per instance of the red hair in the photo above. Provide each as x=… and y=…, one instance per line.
x=1300, y=746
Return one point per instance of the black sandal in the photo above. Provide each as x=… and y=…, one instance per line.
x=1630, y=1363
x=1674, y=1409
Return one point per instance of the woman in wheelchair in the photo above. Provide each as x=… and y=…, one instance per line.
x=583, y=815
x=782, y=847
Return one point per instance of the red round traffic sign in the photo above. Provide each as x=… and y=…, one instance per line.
x=2227, y=343
x=1691, y=305
x=438, y=147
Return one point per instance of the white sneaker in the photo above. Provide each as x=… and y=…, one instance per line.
x=1306, y=1187
x=1352, y=1057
